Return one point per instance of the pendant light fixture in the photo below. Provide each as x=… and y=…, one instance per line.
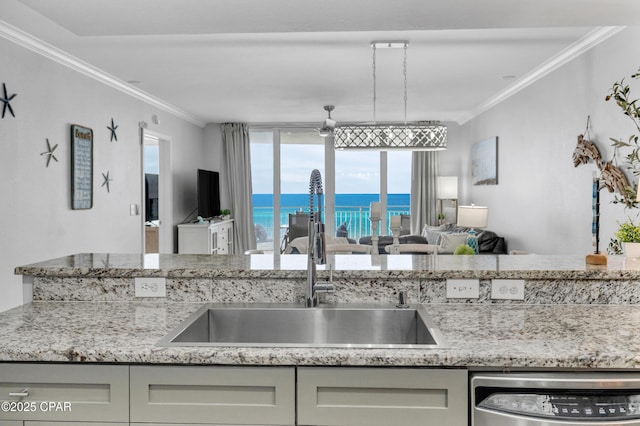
x=414, y=136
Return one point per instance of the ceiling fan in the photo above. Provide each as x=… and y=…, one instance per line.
x=329, y=124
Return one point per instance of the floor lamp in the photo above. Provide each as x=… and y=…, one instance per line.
x=473, y=217
x=447, y=190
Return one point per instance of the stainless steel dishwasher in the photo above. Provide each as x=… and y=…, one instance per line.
x=555, y=399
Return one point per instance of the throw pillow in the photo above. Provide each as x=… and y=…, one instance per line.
x=433, y=237
x=432, y=233
x=449, y=242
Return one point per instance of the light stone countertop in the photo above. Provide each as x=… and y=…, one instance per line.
x=497, y=336
x=345, y=266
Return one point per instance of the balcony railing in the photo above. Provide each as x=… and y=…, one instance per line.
x=356, y=218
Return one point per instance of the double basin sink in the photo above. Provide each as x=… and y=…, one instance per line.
x=279, y=325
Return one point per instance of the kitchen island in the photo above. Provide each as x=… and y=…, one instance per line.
x=84, y=328
x=572, y=316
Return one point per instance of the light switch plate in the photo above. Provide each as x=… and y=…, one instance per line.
x=463, y=288
x=507, y=289
x=150, y=287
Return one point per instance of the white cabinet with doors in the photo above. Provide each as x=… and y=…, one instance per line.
x=206, y=238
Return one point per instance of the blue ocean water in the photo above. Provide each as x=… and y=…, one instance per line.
x=351, y=209
x=342, y=200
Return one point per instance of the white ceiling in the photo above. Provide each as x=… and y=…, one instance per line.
x=282, y=60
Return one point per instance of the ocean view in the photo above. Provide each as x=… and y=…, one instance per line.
x=351, y=209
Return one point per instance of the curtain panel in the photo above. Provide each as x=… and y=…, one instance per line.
x=424, y=170
x=237, y=150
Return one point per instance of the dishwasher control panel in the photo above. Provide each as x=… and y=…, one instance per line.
x=558, y=398
x=585, y=406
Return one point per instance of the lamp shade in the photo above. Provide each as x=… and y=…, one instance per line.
x=473, y=216
x=447, y=187
x=374, y=210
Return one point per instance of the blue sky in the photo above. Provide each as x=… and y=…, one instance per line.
x=357, y=172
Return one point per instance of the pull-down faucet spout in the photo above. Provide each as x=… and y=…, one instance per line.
x=316, y=250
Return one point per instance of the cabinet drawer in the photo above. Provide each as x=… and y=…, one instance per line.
x=381, y=396
x=213, y=395
x=65, y=393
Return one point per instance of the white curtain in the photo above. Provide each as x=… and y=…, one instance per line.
x=424, y=170
x=237, y=150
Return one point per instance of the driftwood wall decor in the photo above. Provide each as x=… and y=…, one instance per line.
x=611, y=177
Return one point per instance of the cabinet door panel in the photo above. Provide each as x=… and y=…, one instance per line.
x=213, y=395
x=73, y=424
x=65, y=393
x=383, y=396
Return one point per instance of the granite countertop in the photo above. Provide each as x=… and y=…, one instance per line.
x=345, y=266
x=498, y=336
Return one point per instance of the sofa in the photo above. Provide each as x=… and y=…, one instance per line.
x=447, y=238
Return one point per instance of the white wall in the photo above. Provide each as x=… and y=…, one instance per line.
x=542, y=202
x=214, y=160
x=37, y=221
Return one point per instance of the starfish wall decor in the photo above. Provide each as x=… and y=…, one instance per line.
x=113, y=128
x=6, y=101
x=106, y=181
x=49, y=152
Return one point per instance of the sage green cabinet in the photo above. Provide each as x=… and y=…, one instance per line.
x=150, y=395
x=213, y=395
x=72, y=423
x=71, y=394
x=381, y=396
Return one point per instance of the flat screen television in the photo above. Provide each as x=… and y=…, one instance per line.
x=208, y=193
x=151, y=197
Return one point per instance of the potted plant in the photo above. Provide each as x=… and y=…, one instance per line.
x=441, y=218
x=225, y=214
x=620, y=93
x=629, y=235
x=464, y=249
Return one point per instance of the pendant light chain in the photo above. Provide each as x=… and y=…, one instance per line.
x=404, y=72
x=414, y=136
x=374, y=83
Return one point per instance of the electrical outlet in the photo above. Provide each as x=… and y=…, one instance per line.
x=507, y=289
x=463, y=289
x=150, y=287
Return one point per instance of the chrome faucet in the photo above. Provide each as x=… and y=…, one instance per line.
x=316, y=250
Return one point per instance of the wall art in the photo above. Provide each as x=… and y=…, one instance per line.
x=50, y=152
x=105, y=180
x=6, y=101
x=81, y=167
x=113, y=128
x=484, y=162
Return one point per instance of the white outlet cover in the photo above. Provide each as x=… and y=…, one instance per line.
x=507, y=289
x=463, y=288
x=150, y=287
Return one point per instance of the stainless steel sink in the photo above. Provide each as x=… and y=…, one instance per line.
x=275, y=325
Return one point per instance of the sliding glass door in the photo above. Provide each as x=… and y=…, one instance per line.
x=282, y=160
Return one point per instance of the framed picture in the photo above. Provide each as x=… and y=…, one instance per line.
x=81, y=167
x=484, y=162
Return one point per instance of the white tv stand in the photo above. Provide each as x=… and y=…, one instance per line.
x=206, y=238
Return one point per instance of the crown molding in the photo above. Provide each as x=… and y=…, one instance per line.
x=590, y=40
x=42, y=48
